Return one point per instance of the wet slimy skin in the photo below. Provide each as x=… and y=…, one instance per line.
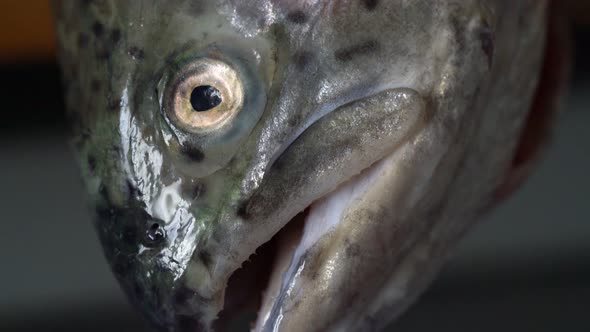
x=203, y=128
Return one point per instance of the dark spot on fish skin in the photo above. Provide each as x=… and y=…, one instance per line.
x=83, y=40
x=129, y=235
x=154, y=289
x=206, y=258
x=351, y=300
x=114, y=104
x=198, y=190
x=487, y=44
x=312, y=264
x=104, y=193
x=117, y=150
x=195, y=8
x=279, y=164
x=302, y=59
x=104, y=213
x=102, y=52
x=314, y=275
x=370, y=4
x=243, y=210
x=459, y=33
x=172, y=58
x=115, y=36
x=95, y=85
x=136, y=53
x=296, y=304
x=192, y=153
x=85, y=134
x=79, y=141
x=185, y=298
x=91, y=164
x=132, y=190
x=217, y=236
x=121, y=266
x=138, y=293
x=188, y=323
x=74, y=120
x=352, y=250
x=294, y=120
x=98, y=29
x=349, y=53
x=297, y=17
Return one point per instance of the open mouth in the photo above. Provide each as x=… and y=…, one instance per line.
x=254, y=291
x=259, y=277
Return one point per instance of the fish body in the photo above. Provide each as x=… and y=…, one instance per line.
x=357, y=138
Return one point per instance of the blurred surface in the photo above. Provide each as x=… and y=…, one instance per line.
x=26, y=27
x=26, y=30
x=579, y=10
x=525, y=268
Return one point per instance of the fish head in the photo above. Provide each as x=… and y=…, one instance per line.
x=360, y=138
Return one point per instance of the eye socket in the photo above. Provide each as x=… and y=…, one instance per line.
x=205, y=95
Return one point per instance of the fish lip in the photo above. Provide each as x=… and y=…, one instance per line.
x=326, y=111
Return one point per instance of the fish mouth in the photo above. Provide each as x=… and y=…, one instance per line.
x=317, y=221
x=256, y=291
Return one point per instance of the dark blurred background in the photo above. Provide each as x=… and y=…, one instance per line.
x=525, y=268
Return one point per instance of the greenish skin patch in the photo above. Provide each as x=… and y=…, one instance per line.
x=331, y=88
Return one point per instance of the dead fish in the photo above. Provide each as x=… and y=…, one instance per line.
x=313, y=160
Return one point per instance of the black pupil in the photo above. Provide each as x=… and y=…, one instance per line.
x=205, y=97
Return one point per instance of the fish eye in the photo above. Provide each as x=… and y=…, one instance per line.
x=205, y=95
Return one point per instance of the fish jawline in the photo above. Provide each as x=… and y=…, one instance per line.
x=320, y=218
x=258, y=284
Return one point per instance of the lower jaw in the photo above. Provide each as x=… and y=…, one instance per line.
x=249, y=286
x=254, y=289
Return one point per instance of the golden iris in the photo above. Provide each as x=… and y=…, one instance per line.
x=205, y=96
